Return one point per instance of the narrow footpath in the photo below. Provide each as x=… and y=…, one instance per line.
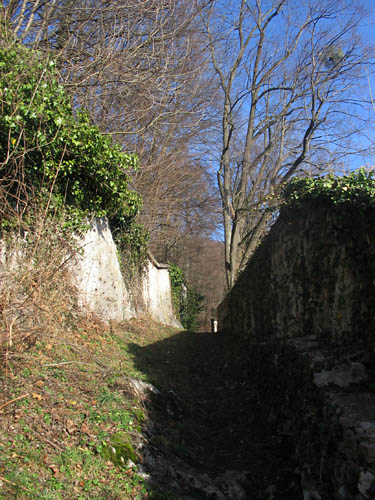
x=209, y=437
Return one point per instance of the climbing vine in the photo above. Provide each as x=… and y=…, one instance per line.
x=357, y=188
x=187, y=301
x=177, y=282
x=131, y=242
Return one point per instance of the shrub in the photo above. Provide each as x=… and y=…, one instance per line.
x=57, y=170
x=47, y=146
x=37, y=295
x=356, y=189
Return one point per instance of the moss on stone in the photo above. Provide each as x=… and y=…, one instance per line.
x=119, y=450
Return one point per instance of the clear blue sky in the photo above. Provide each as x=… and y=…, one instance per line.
x=369, y=26
x=368, y=32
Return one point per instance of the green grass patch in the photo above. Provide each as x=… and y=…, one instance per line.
x=73, y=432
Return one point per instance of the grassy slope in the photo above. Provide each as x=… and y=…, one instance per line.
x=75, y=403
x=78, y=402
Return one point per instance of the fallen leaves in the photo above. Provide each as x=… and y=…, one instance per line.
x=70, y=427
x=14, y=484
x=63, y=415
x=85, y=428
x=55, y=470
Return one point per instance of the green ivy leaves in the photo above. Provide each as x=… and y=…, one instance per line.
x=186, y=299
x=356, y=188
x=44, y=142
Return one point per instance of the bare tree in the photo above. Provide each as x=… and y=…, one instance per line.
x=180, y=204
x=203, y=263
x=139, y=68
x=134, y=64
x=289, y=76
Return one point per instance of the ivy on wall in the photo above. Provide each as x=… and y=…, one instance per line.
x=52, y=155
x=186, y=300
x=357, y=188
x=132, y=252
x=177, y=283
x=47, y=146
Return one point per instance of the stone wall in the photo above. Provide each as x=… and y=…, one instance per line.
x=305, y=307
x=313, y=274
x=320, y=400
x=342, y=437
x=101, y=286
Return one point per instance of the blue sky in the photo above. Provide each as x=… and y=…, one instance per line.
x=368, y=32
x=369, y=26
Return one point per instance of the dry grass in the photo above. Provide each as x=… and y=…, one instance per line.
x=37, y=296
x=65, y=395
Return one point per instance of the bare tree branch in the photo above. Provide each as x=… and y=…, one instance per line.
x=288, y=75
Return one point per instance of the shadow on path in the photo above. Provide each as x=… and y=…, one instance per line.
x=207, y=413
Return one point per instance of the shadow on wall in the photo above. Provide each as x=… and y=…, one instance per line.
x=313, y=274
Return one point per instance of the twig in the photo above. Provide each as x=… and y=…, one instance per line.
x=58, y=364
x=51, y=443
x=68, y=363
x=9, y=343
x=13, y=400
x=10, y=336
x=14, y=484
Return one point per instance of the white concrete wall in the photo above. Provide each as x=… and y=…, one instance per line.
x=157, y=294
x=11, y=255
x=97, y=275
x=101, y=287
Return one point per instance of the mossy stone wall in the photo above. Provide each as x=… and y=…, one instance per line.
x=304, y=308
x=313, y=274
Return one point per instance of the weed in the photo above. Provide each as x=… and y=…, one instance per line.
x=47, y=418
x=108, y=396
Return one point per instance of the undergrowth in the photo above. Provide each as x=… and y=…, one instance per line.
x=37, y=294
x=70, y=421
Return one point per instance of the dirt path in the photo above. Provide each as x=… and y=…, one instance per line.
x=209, y=415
